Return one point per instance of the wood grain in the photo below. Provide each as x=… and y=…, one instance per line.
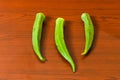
x=18, y=60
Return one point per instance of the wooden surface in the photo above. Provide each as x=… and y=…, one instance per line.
x=18, y=60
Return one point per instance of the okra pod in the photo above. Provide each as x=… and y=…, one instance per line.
x=60, y=43
x=36, y=34
x=89, y=32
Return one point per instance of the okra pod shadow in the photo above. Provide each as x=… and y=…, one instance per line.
x=68, y=39
x=96, y=31
x=43, y=35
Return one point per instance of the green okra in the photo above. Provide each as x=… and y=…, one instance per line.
x=36, y=34
x=60, y=43
x=89, y=32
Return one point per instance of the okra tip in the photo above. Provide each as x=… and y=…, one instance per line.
x=73, y=69
x=73, y=66
x=42, y=59
x=83, y=53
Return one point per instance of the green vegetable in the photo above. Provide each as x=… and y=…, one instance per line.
x=36, y=34
x=60, y=43
x=89, y=32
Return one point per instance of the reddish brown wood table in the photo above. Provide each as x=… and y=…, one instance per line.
x=18, y=60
